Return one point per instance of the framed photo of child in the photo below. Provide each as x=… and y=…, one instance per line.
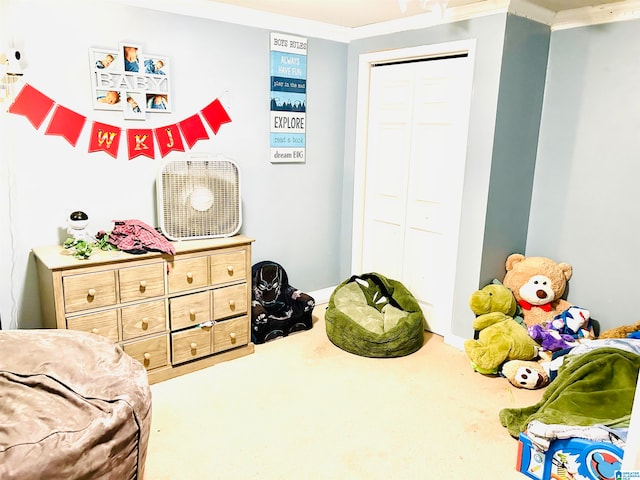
x=156, y=65
x=134, y=108
x=131, y=58
x=104, y=59
x=107, y=100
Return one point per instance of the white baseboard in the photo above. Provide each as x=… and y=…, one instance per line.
x=322, y=296
x=454, y=341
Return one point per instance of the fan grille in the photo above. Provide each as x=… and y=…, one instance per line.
x=200, y=199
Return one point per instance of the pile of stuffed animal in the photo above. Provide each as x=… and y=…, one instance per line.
x=524, y=326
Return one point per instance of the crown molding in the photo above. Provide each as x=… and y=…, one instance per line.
x=609, y=13
x=451, y=15
x=245, y=16
x=526, y=9
x=613, y=12
x=254, y=18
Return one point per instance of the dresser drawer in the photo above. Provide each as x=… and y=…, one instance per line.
x=228, y=267
x=189, y=310
x=231, y=333
x=229, y=301
x=151, y=352
x=102, y=323
x=139, y=283
x=187, y=274
x=143, y=319
x=190, y=344
x=89, y=290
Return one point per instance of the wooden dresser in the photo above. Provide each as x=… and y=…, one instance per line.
x=174, y=314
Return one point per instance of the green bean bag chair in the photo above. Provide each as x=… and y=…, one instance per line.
x=374, y=316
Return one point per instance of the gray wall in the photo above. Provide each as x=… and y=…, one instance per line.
x=293, y=211
x=584, y=208
x=522, y=79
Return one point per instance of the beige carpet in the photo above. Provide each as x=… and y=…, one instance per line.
x=301, y=408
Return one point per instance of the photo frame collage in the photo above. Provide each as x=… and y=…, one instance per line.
x=129, y=81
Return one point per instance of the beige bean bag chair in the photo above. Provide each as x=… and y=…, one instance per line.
x=73, y=406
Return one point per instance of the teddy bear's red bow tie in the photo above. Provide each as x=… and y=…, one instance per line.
x=527, y=306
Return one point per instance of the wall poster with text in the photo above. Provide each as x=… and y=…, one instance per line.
x=288, y=98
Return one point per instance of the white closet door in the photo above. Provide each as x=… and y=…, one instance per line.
x=417, y=135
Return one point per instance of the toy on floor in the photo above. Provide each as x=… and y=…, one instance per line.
x=564, y=330
x=623, y=331
x=500, y=337
x=555, y=338
x=526, y=374
x=533, y=374
x=277, y=308
x=550, y=339
x=538, y=284
x=569, y=457
x=574, y=321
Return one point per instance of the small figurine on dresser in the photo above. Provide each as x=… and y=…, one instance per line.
x=78, y=222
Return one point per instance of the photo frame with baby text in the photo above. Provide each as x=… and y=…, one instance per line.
x=128, y=81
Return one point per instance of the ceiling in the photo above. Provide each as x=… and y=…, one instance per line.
x=358, y=13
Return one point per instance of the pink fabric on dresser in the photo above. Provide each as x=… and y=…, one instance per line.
x=73, y=405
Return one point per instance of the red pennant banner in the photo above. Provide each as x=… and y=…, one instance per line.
x=193, y=130
x=140, y=142
x=66, y=123
x=32, y=104
x=104, y=138
x=215, y=115
x=169, y=139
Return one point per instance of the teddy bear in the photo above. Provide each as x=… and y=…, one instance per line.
x=538, y=284
x=622, y=331
x=500, y=336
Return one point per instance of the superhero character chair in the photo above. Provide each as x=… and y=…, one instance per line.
x=277, y=308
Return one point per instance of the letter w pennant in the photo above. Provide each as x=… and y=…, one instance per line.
x=104, y=137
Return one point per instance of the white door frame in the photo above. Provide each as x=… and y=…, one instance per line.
x=366, y=62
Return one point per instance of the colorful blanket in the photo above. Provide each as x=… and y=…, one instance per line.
x=595, y=388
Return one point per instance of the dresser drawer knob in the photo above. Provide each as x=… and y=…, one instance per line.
x=145, y=322
x=95, y=330
x=147, y=356
x=232, y=335
x=189, y=276
x=230, y=269
x=193, y=345
x=92, y=292
x=232, y=303
x=143, y=284
x=192, y=312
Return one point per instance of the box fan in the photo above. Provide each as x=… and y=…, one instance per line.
x=199, y=197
